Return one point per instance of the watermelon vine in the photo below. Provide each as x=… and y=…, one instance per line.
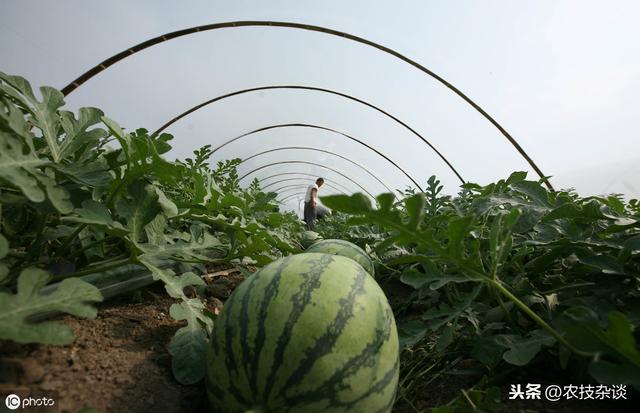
x=80, y=196
x=507, y=277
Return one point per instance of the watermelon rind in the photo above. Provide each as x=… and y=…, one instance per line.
x=345, y=249
x=307, y=333
x=308, y=238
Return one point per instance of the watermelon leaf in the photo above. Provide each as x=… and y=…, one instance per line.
x=76, y=133
x=415, y=209
x=615, y=373
x=97, y=214
x=352, y=204
x=523, y=350
x=70, y=297
x=415, y=278
x=411, y=332
x=24, y=169
x=188, y=347
x=44, y=114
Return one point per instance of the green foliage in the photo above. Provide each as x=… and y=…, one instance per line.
x=189, y=345
x=510, y=273
x=79, y=196
x=16, y=310
x=507, y=275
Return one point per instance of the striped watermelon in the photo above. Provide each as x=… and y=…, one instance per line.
x=307, y=333
x=346, y=249
x=308, y=238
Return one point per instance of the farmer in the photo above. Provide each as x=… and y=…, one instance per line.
x=311, y=204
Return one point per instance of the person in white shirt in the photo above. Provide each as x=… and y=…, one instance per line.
x=311, y=204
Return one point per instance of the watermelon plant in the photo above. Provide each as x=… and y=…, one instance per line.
x=307, y=333
x=504, y=278
x=81, y=199
x=511, y=275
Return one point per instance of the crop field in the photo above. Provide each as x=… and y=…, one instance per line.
x=130, y=283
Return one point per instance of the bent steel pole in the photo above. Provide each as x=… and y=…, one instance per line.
x=295, y=188
x=331, y=179
x=303, y=174
x=328, y=185
x=319, y=150
x=288, y=198
x=312, y=126
x=317, y=89
x=307, y=163
x=300, y=26
x=301, y=193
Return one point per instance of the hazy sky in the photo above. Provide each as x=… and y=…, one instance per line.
x=560, y=76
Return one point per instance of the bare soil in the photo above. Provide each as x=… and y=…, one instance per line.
x=119, y=361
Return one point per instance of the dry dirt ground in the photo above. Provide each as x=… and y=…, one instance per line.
x=118, y=363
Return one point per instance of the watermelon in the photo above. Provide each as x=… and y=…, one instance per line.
x=307, y=333
x=308, y=238
x=345, y=249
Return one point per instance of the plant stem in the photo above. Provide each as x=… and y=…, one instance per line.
x=86, y=247
x=477, y=275
x=466, y=396
x=33, y=250
x=537, y=319
x=505, y=310
x=107, y=261
x=67, y=241
x=99, y=268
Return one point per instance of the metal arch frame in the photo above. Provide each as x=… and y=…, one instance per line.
x=319, y=150
x=328, y=185
x=333, y=181
x=308, y=163
x=301, y=173
x=301, y=26
x=296, y=193
x=286, y=173
x=312, y=126
x=317, y=89
x=301, y=186
x=288, y=188
x=288, y=197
